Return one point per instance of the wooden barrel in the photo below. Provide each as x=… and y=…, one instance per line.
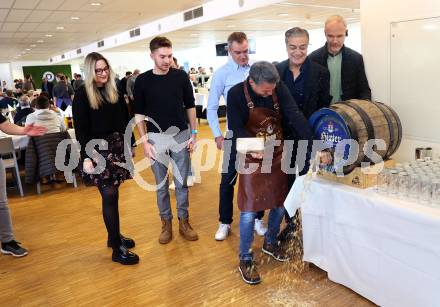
x=360, y=120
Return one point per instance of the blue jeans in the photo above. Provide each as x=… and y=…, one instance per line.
x=247, y=220
x=228, y=179
x=169, y=151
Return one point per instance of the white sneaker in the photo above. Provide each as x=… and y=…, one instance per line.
x=259, y=227
x=222, y=232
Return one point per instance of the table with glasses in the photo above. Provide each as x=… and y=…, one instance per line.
x=418, y=180
x=384, y=246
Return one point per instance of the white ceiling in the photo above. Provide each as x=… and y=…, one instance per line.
x=308, y=14
x=27, y=22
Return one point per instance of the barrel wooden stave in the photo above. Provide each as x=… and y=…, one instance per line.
x=371, y=120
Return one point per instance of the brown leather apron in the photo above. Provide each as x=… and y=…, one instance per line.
x=261, y=191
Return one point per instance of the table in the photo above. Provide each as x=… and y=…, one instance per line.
x=384, y=248
x=201, y=99
x=21, y=141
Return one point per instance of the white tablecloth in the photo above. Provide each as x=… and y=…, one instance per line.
x=21, y=141
x=201, y=99
x=384, y=248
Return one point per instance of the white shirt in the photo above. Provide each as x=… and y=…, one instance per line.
x=47, y=118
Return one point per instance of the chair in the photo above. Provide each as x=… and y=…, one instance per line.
x=41, y=155
x=7, y=149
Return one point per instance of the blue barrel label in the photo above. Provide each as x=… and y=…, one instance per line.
x=329, y=127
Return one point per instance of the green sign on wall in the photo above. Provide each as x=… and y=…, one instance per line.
x=38, y=72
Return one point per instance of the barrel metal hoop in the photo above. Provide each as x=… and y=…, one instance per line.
x=364, y=117
x=350, y=123
x=384, y=109
x=399, y=129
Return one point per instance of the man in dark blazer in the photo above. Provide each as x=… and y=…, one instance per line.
x=346, y=66
x=308, y=83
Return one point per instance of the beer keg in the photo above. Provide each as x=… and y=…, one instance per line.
x=359, y=120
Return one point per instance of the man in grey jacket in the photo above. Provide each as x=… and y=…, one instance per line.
x=130, y=89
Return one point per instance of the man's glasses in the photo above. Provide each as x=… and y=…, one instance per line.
x=100, y=71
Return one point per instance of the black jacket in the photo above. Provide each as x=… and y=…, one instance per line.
x=122, y=87
x=49, y=88
x=41, y=155
x=317, y=87
x=292, y=118
x=21, y=115
x=295, y=125
x=354, y=81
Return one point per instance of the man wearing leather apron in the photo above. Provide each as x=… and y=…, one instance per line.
x=262, y=107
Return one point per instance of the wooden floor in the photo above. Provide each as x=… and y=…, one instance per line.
x=69, y=263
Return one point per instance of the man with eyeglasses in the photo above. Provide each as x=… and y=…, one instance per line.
x=308, y=83
x=346, y=66
x=236, y=70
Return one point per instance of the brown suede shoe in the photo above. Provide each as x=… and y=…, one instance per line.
x=249, y=272
x=167, y=232
x=186, y=230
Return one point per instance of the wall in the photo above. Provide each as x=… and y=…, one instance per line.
x=273, y=48
x=376, y=16
x=17, y=67
x=14, y=70
x=269, y=48
x=6, y=75
x=128, y=61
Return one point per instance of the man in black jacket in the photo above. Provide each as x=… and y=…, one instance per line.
x=47, y=86
x=123, y=83
x=308, y=83
x=346, y=66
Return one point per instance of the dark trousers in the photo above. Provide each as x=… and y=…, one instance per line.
x=130, y=107
x=227, y=183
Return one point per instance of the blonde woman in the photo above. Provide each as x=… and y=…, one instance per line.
x=100, y=112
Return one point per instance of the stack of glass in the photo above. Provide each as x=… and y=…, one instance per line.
x=418, y=181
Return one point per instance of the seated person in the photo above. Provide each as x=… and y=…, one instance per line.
x=23, y=110
x=52, y=106
x=8, y=100
x=45, y=117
